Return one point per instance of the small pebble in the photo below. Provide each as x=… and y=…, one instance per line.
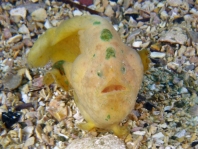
x=27, y=42
x=77, y=13
x=183, y=90
x=158, y=135
x=30, y=141
x=195, y=143
x=14, y=39
x=34, y=1
x=194, y=110
x=39, y=15
x=6, y=33
x=180, y=134
x=12, y=81
x=141, y=133
x=21, y=11
x=137, y=44
x=109, y=11
x=47, y=24
x=24, y=30
x=174, y=3
x=103, y=142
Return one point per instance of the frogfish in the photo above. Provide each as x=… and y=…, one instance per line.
x=89, y=56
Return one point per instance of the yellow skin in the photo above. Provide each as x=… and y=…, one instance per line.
x=106, y=74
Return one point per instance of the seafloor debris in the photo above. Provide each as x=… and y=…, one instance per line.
x=10, y=118
x=106, y=141
x=12, y=81
x=165, y=116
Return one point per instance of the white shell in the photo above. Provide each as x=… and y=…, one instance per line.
x=24, y=30
x=164, y=15
x=47, y=24
x=14, y=39
x=141, y=133
x=137, y=44
x=183, y=90
x=77, y=13
x=39, y=15
x=158, y=135
x=181, y=133
x=21, y=11
x=157, y=55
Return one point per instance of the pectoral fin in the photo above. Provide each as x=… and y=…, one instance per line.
x=144, y=55
x=54, y=75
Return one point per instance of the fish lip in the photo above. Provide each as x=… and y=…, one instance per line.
x=113, y=88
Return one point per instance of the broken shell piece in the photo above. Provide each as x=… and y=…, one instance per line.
x=47, y=140
x=190, y=51
x=56, y=109
x=109, y=11
x=24, y=71
x=28, y=131
x=157, y=55
x=137, y=44
x=48, y=24
x=194, y=110
x=194, y=36
x=13, y=133
x=160, y=5
x=39, y=15
x=180, y=134
x=29, y=141
x=38, y=131
x=181, y=50
x=12, y=81
x=141, y=133
x=132, y=35
x=175, y=35
x=14, y=39
x=24, y=30
x=164, y=15
x=172, y=65
x=17, y=47
x=158, y=135
x=37, y=82
x=6, y=33
x=27, y=42
x=77, y=13
x=152, y=129
x=106, y=141
x=21, y=11
x=174, y=3
x=27, y=74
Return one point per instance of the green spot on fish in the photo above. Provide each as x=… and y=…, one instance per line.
x=99, y=73
x=66, y=82
x=108, y=117
x=59, y=65
x=106, y=35
x=96, y=23
x=123, y=69
x=110, y=52
x=94, y=55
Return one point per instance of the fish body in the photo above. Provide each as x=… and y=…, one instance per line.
x=105, y=74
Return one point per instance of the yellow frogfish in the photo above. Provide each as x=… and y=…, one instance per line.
x=89, y=56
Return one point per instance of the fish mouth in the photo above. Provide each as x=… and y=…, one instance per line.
x=113, y=88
